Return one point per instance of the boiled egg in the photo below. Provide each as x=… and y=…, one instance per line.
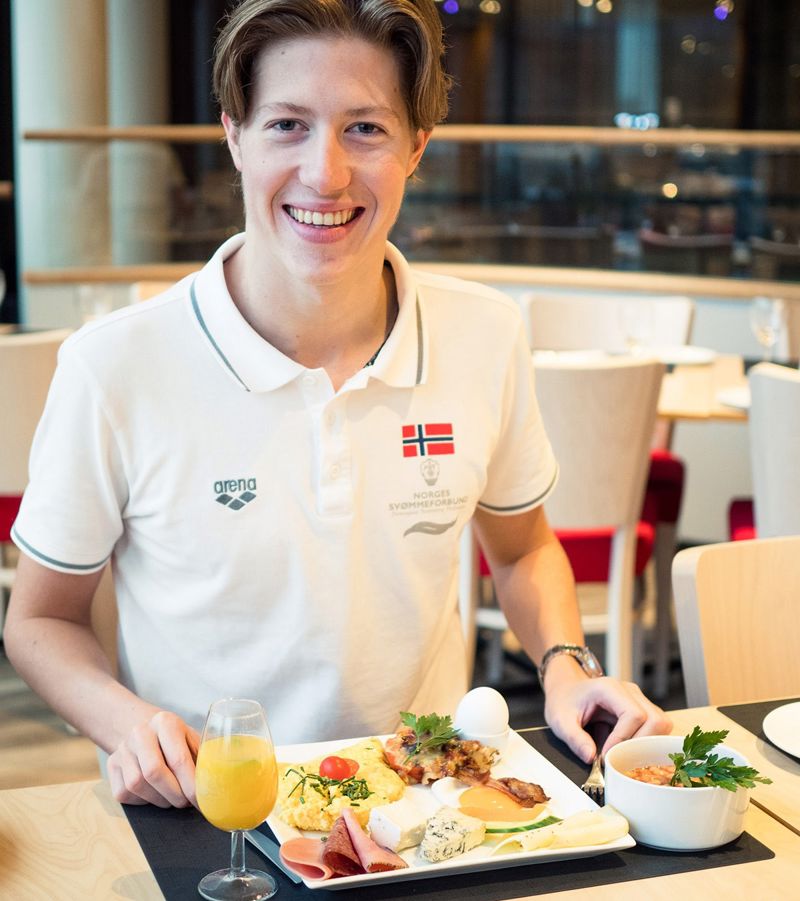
x=482, y=712
x=448, y=791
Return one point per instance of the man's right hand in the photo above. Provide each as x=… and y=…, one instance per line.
x=155, y=763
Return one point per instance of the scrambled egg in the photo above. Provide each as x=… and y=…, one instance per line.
x=308, y=804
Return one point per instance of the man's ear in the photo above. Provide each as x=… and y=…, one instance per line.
x=420, y=143
x=232, y=137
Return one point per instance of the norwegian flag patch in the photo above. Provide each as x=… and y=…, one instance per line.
x=428, y=439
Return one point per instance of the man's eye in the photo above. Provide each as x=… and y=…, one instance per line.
x=285, y=125
x=366, y=128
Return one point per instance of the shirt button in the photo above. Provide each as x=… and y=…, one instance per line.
x=335, y=471
x=309, y=380
x=330, y=419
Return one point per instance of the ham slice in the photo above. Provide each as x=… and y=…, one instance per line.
x=339, y=853
x=304, y=856
x=348, y=851
x=374, y=858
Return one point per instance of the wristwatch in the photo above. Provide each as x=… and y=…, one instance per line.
x=587, y=660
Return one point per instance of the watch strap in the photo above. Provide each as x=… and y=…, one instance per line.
x=580, y=653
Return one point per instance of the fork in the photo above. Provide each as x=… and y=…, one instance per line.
x=595, y=785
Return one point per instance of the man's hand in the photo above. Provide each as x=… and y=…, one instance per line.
x=571, y=703
x=155, y=764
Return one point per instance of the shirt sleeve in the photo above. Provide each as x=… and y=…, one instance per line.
x=71, y=512
x=523, y=470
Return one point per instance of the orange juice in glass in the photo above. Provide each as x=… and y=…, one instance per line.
x=236, y=783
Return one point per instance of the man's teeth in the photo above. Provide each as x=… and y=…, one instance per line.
x=314, y=217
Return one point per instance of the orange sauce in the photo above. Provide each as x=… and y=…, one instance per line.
x=489, y=804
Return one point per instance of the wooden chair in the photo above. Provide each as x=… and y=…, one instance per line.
x=774, y=431
x=600, y=417
x=27, y=364
x=736, y=606
x=582, y=321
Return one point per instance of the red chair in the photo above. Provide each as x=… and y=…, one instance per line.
x=27, y=363
x=741, y=519
x=599, y=416
x=774, y=432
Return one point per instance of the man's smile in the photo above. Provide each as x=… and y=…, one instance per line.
x=327, y=219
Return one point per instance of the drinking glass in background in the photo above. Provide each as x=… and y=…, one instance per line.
x=767, y=320
x=94, y=301
x=237, y=784
x=637, y=322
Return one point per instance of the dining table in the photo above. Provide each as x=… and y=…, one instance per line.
x=692, y=392
x=73, y=841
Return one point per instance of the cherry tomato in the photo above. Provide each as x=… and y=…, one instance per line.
x=338, y=768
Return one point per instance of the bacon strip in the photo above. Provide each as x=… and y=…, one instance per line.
x=526, y=794
x=374, y=858
x=304, y=856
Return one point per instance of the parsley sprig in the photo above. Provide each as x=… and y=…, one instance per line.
x=430, y=731
x=696, y=766
x=355, y=789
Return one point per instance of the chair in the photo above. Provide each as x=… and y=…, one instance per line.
x=686, y=254
x=596, y=321
x=27, y=364
x=774, y=431
x=774, y=260
x=575, y=321
x=599, y=416
x=736, y=608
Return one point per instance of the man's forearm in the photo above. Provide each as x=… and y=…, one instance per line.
x=537, y=595
x=63, y=662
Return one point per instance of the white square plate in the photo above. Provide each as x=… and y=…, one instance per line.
x=520, y=760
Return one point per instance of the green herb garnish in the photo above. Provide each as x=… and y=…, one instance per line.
x=355, y=789
x=696, y=766
x=431, y=731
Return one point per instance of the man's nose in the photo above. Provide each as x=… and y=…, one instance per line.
x=325, y=165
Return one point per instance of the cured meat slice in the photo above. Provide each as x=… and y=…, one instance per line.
x=374, y=858
x=339, y=853
x=304, y=856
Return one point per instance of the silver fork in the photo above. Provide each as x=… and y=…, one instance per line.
x=595, y=786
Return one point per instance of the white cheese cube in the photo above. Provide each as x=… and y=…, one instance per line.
x=450, y=832
x=398, y=825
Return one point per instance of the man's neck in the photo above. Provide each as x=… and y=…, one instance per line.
x=338, y=328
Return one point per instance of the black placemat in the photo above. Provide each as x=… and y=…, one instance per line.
x=751, y=716
x=181, y=847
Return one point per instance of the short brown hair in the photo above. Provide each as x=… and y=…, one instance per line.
x=410, y=29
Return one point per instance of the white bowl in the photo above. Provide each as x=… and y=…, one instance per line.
x=665, y=816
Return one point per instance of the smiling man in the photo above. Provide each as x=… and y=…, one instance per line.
x=280, y=453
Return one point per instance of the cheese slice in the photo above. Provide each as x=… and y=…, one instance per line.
x=398, y=825
x=450, y=832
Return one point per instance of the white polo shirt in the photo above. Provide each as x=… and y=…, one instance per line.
x=272, y=538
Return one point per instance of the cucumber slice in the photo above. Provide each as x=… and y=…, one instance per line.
x=499, y=828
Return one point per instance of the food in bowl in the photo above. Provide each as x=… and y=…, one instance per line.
x=710, y=814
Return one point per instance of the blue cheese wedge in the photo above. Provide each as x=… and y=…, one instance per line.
x=398, y=825
x=449, y=833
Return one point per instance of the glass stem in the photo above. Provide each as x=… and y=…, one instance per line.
x=237, y=853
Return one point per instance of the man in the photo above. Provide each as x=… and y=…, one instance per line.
x=280, y=453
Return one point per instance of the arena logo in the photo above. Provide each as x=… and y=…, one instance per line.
x=235, y=493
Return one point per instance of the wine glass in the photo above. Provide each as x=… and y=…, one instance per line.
x=236, y=783
x=767, y=319
x=638, y=324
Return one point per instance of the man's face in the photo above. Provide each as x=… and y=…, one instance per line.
x=324, y=156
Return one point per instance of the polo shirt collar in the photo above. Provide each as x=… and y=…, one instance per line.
x=258, y=366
